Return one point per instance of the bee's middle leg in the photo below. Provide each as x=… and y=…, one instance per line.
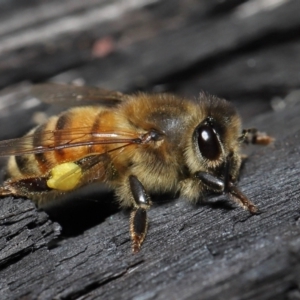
x=138, y=218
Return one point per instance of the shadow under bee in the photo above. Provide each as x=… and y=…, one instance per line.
x=82, y=209
x=217, y=202
x=90, y=206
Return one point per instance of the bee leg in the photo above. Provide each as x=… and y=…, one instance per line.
x=138, y=218
x=226, y=186
x=213, y=183
x=24, y=187
x=253, y=136
x=233, y=191
x=241, y=199
x=5, y=191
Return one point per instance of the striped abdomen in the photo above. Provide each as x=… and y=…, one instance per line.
x=73, y=126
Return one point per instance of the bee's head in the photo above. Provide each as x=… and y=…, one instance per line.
x=215, y=137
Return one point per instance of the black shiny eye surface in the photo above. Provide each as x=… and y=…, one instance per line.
x=208, y=142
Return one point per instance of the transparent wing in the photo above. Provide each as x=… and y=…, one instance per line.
x=72, y=95
x=61, y=139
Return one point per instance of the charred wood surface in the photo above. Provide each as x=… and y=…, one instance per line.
x=246, y=51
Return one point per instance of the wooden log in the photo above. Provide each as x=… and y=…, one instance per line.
x=135, y=62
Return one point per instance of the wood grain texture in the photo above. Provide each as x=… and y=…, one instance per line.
x=213, y=250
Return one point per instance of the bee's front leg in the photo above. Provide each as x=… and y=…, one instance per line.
x=138, y=218
x=226, y=186
x=253, y=136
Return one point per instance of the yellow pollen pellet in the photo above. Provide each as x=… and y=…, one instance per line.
x=64, y=177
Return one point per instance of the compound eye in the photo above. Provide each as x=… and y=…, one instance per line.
x=208, y=142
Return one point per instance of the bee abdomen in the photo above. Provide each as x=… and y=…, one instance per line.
x=72, y=126
x=32, y=164
x=40, y=158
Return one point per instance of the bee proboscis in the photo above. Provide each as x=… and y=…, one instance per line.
x=136, y=144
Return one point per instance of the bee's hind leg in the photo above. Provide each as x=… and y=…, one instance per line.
x=33, y=188
x=25, y=186
x=138, y=218
x=10, y=188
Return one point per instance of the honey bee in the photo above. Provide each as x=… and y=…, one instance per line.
x=136, y=144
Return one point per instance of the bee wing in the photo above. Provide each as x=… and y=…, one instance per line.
x=62, y=139
x=72, y=95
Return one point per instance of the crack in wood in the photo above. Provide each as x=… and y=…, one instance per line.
x=96, y=285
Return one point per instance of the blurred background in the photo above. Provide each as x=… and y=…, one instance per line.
x=245, y=51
